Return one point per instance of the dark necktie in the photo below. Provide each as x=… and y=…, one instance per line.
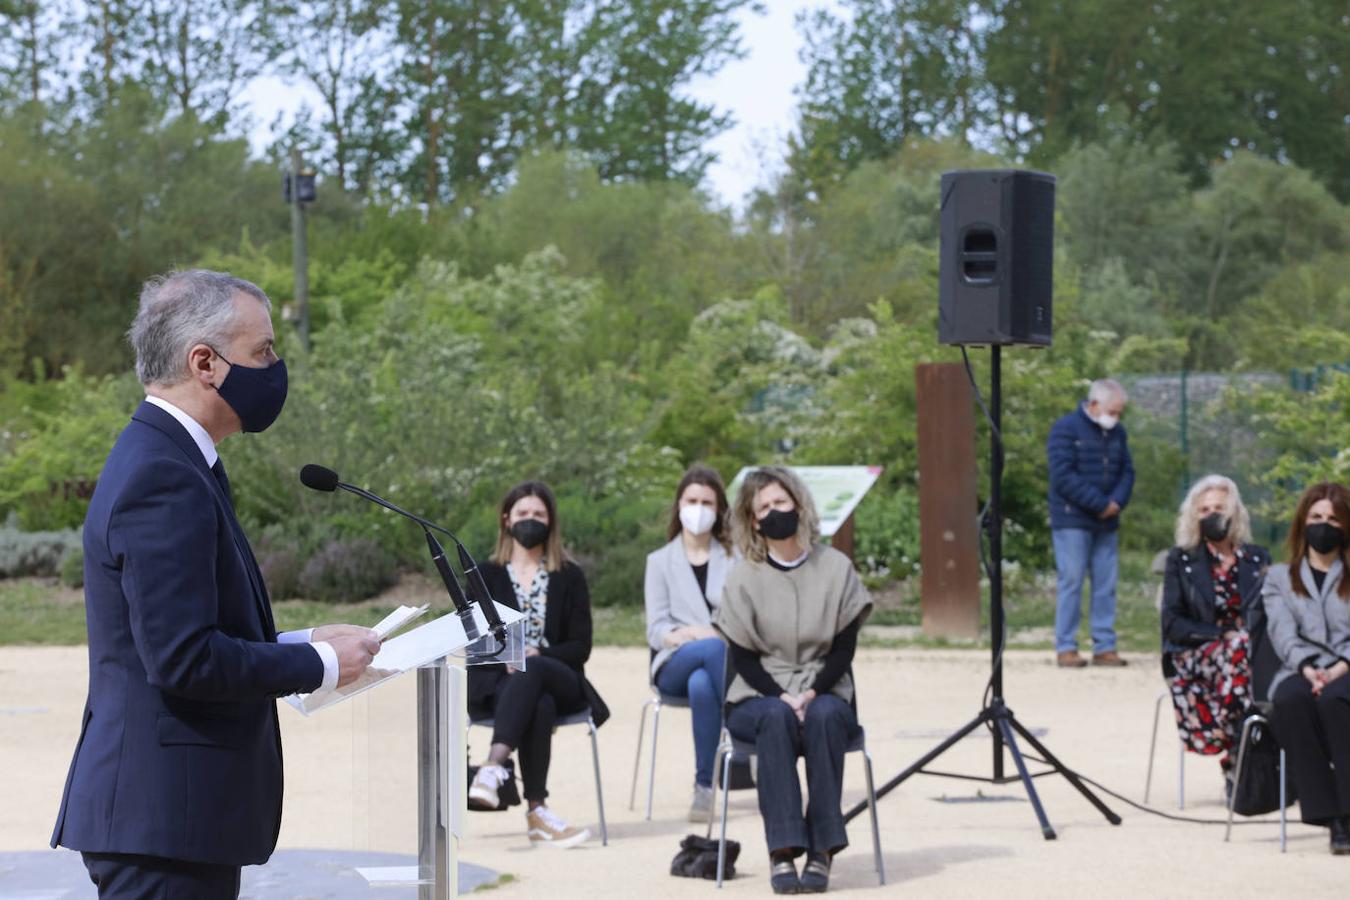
x=218, y=470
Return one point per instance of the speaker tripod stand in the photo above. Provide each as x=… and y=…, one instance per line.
x=995, y=714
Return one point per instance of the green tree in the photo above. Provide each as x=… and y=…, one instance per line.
x=339, y=48
x=638, y=122
x=199, y=54
x=881, y=74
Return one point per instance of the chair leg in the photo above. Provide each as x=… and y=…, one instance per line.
x=722, y=840
x=651, y=775
x=637, y=757
x=872, y=809
x=1283, y=800
x=720, y=762
x=1181, y=777
x=599, y=791
x=1237, y=775
x=1153, y=744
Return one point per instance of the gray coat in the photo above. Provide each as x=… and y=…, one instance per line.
x=1298, y=625
x=672, y=596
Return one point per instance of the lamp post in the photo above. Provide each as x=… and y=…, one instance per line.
x=297, y=190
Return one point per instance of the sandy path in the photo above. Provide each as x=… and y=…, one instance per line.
x=1097, y=720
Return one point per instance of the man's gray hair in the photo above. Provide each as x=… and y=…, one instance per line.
x=179, y=310
x=1104, y=390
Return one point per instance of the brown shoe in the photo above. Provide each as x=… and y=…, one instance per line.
x=1070, y=659
x=1110, y=659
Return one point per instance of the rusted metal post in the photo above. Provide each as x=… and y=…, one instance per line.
x=948, y=531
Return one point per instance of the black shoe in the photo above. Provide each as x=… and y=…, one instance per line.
x=1340, y=836
x=816, y=873
x=783, y=876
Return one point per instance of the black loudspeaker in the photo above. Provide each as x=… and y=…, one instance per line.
x=996, y=274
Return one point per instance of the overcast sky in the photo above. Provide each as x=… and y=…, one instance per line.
x=757, y=90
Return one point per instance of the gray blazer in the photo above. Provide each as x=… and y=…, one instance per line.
x=672, y=596
x=1298, y=625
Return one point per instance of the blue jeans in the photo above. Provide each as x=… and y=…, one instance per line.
x=1079, y=552
x=772, y=726
x=697, y=671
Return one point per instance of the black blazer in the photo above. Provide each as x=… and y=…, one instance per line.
x=179, y=754
x=1188, y=613
x=567, y=626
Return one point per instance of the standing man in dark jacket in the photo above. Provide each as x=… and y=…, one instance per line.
x=1091, y=477
x=176, y=780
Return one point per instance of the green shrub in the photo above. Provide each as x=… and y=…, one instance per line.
x=347, y=571
x=66, y=427
x=34, y=552
x=281, y=560
x=72, y=567
x=886, y=534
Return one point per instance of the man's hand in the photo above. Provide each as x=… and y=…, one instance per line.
x=1112, y=509
x=1336, y=671
x=702, y=632
x=328, y=632
x=354, y=653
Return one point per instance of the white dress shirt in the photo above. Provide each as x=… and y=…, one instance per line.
x=208, y=447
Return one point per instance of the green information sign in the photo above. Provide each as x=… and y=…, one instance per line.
x=836, y=490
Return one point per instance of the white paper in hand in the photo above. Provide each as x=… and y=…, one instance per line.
x=397, y=619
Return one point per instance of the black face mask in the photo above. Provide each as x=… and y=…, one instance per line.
x=778, y=525
x=1324, y=537
x=255, y=394
x=529, y=533
x=1214, y=527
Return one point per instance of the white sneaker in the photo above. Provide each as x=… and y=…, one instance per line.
x=549, y=830
x=700, y=810
x=483, y=791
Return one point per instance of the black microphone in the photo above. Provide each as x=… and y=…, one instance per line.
x=319, y=478
x=322, y=478
x=478, y=590
x=452, y=586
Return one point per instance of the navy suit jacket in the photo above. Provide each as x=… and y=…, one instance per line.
x=179, y=753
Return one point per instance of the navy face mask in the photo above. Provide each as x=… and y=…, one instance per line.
x=256, y=394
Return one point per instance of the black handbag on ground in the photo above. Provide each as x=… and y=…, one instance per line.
x=1258, y=787
x=698, y=858
x=507, y=795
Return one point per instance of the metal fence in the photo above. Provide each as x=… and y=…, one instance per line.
x=1196, y=412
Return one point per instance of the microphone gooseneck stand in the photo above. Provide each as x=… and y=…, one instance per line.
x=320, y=478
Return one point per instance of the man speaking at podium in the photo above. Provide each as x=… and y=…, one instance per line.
x=176, y=780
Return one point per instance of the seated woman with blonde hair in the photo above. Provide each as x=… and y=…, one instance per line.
x=1212, y=617
x=791, y=612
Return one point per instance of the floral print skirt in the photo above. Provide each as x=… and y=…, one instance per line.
x=1211, y=691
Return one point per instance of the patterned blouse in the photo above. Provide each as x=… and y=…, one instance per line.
x=1227, y=601
x=533, y=601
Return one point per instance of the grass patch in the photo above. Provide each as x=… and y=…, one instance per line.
x=42, y=611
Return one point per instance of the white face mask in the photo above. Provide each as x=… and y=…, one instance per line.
x=1107, y=421
x=697, y=518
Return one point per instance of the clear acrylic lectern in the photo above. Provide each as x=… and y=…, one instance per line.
x=439, y=651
